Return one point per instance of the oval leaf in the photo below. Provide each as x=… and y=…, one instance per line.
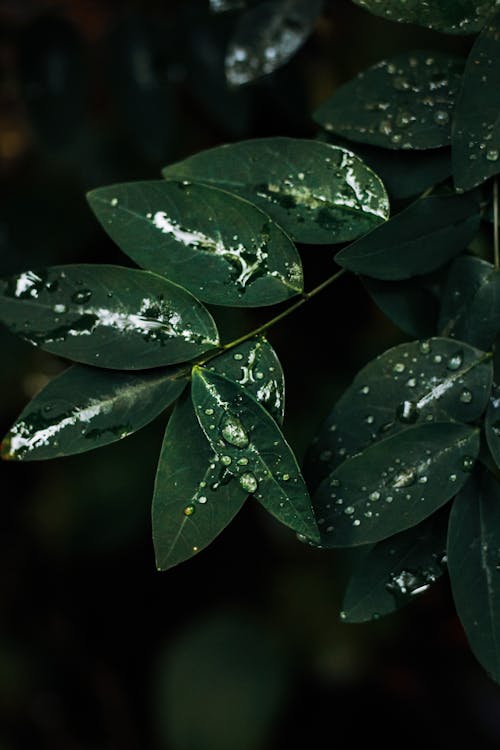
x=191, y=477
x=402, y=103
x=267, y=36
x=492, y=425
x=451, y=16
x=422, y=238
x=473, y=563
x=470, y=309
x=86, y=408
x=436, y=380
x=409, y=303
x=107, y=315
x=318, y=193
x=476, y=127
x=251, y=444
x=394, y=484
x=221, y=248
x=396, y=571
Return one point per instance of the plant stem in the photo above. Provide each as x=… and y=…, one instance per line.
x=496, y=242
x=305, y=297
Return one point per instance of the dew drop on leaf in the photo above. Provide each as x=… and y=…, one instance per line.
x=233, y=431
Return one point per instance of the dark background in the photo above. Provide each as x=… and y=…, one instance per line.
x=240, y=648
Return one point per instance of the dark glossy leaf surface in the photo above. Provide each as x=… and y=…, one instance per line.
x=404, y=173
x=107, y=315
x=267, y=36
x=422, y=238
x=223, y=6
x=191, y=477
x=476, y=127
x=451, y=16
x=86, y=408
x=473, y=563
x=318, y=193
x=437, y=380
x=402, y=103
x=249, y=441
x=470, y=307
x=409, y=304
x=396, y=571
x=395, y=483
x=492, y=425
x=223, y=249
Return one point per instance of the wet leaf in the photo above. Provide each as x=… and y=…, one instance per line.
x=451, y=16
x=409, y=304
x=396, y=571
x=318, y=193
x=492, y=425
x=470, y=307
x=218, y=246
x=422, y=238
x=267, y=36
x=222, y=6
x=107, y=315
x=405, y=174
x=476, y=127
x=474, y=566
x=437, y=380
x=86, y=408
x=191, y=475
x=394, y=484
x=402, y=103
x=258, y=457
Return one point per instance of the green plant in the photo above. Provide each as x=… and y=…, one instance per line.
x=419, y=426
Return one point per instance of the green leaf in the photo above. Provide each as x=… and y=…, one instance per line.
x=473, y=563
x=402, y=103
x=438, y=380
x=318, y=193
x=86, y=408
x=476, y=126
x=191, y=476
x=404, y=173
x=451, y=16
x=409, y=304
x=492, y=425
x=396, y=571
x=395, y=483
x=249, y=441
x=267, y=36
x=470, y=308
x=107, y=315
x=220, y=247
x=421, y=238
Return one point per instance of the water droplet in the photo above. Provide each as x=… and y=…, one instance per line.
x=209, y=412
x=407, y=412
x=343, y=615
x=374, y=496
x=468, y=463
x=114, y=201
x=370, y=419
x=248, y=482
x=425, y=347
x=202, y=499
x=452, y=477
x=81, y=296
x=492, y=154
x=455, y=362
x=60, y=309
x=189, y=510
x=399, y=367
x=349, y=510
x=285, y=477
x=233, y=431
x=466, y=396
x=404, y=479
x=365, y=390
x=243, y=461
x=441, y=117
x=225, y=460
x=238, y=356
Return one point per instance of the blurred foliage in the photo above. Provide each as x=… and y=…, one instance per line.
x=97, y=650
